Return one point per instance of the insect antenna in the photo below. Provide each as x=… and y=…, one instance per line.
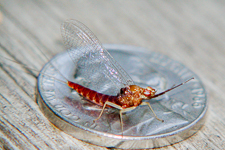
x=157, y=95
x=26, y=67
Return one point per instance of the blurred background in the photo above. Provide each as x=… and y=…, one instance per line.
x=185, y=31
x=191, y=32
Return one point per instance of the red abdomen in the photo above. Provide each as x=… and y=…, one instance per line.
x=91, y=95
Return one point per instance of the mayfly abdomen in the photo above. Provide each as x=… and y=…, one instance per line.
x=91, y=95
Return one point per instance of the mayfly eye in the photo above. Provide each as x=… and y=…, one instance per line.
x=147, y=92
x=122, y=90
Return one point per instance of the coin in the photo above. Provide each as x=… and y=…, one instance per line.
x=182, y=109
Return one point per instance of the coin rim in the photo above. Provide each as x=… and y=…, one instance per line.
x=124, y=142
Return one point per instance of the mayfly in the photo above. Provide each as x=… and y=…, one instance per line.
x=95, y=65
x=85, y=50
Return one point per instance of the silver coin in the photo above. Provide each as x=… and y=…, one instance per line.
x=182, y=109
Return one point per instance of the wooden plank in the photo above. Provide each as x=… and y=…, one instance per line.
x=191, y=32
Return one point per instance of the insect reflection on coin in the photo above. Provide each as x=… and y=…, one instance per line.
x=85, y=50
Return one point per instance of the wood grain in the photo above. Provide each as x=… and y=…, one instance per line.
x=191, y=32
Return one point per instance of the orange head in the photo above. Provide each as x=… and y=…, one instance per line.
x=149, y=92
x=133, y=95
x=143, y=93
x=139, y=92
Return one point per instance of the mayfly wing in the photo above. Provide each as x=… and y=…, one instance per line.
x=95, y=67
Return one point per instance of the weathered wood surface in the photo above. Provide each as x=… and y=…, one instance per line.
x=192, y=32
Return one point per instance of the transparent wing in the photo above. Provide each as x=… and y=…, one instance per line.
x=95, y=67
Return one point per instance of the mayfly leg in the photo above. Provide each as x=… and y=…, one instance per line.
x=148, y=104
x=110, y=104
x=115, y=106
x=121, y=115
